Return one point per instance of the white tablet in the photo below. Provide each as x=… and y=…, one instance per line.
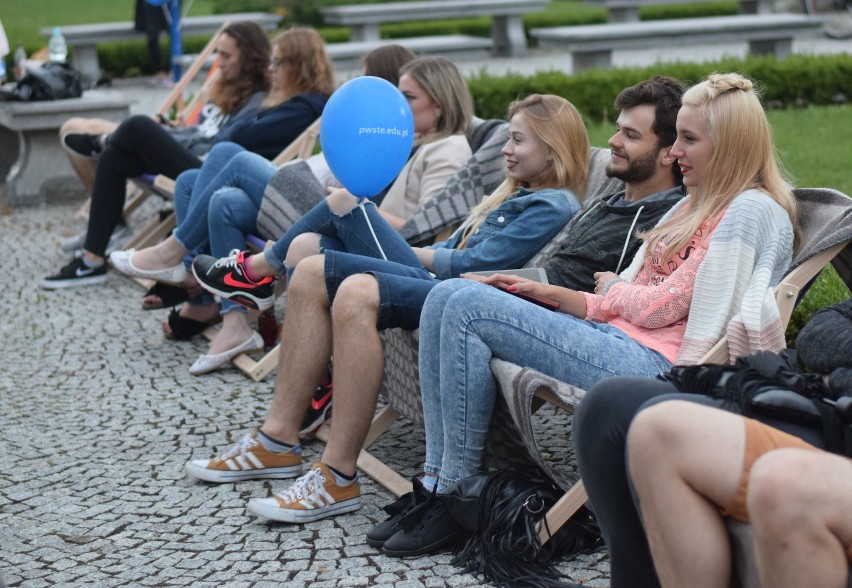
x=536, y=274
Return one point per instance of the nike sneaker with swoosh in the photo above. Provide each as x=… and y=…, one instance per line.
x=76, y=273
x=226, y=277
x=319, y=410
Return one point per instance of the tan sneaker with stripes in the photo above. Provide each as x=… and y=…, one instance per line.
x=247, y=460
x=314, y=496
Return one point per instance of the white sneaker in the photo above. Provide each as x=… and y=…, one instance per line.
x=119, y=238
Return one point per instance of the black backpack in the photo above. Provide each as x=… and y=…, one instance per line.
x=52, y=81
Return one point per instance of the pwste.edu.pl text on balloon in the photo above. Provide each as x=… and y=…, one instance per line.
x=382, y=131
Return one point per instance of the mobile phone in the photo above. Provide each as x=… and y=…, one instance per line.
x=542, y=301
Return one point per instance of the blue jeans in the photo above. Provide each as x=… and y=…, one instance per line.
x=227, y=166
x=403, y=284
x=464, y=325
x=216, y=206
x=351, y=232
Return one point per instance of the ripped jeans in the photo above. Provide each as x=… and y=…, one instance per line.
x=361, y=231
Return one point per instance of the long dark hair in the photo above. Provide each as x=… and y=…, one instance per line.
x=254, y=46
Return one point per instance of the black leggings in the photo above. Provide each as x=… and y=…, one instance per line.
x=600, y=433
x=138, y=146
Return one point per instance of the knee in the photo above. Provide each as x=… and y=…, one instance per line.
x=357, y=300
x=222, y=203
x=185, y=181
x=778, y=488
x=340, y=202
x=308, y=279
x=652, y=431
x=132, y=126
x=303, y=246
x=226, y=150
x=73, y=125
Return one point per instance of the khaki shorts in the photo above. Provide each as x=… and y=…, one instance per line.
x=760, y=439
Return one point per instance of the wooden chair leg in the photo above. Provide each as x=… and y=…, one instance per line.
x=564, y=508
x=369, y=464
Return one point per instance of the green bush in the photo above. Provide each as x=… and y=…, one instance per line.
x=796, y=81
x=692, y=10
x=130, y=58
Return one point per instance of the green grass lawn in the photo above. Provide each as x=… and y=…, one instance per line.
x=24, y=19
x=816, y=155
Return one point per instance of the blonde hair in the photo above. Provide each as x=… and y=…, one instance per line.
x=559, y=127
x=443, y=82
x=306, y=64
x=743, y=158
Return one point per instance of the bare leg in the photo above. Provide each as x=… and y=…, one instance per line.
x=167, y=253
x=85, y=168
x=206, y=313
x=800, y=504
x=686, y=461
x=302, y=247
x=305, y=351
x=358, y=368
x=235, y=330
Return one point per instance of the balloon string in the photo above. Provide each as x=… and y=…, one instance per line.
x=370, y=225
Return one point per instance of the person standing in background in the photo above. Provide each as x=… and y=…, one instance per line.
x=152, y=18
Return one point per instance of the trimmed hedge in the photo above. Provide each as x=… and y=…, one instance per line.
x=798, y=80
x=130, y=58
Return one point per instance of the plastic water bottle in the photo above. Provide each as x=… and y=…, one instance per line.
x=20, y=62
x=56, y=47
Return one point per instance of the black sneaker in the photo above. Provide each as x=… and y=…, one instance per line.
x=82, y=144
x=319, y=411
x=76, y=273
x=379, y=534
x=226, y=278
x=426, y=528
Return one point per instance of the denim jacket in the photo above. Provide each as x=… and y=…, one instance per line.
x=510, y=235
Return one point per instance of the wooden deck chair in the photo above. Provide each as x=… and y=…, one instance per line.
x=479, y=176
x=186, y=114
x=139, y=189
x=301, y=148
x=158, y=229
x=827, y=227
x=400, y=385
x=826, y=217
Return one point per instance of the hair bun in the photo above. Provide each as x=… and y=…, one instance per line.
x=730, y=81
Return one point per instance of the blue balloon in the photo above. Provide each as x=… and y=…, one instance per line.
x=366, y=134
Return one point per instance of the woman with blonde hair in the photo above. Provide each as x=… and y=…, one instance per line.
x=707, y=268
x=546, y=166
x=339, y=295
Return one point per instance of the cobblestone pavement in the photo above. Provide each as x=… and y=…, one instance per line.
x=98, y=415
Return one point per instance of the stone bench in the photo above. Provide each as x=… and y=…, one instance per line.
x=349, y=55
x=592, y=45
x=628, y=10
x=82, y=40
x=507, y=30
x=30, y=152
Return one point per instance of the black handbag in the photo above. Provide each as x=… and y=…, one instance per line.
x=52, y=81
x=771, y=385
x=500, y=512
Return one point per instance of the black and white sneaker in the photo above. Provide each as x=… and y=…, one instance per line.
x=319, y=410
x=82, y=144
x=76, y=273
x=226, y=278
